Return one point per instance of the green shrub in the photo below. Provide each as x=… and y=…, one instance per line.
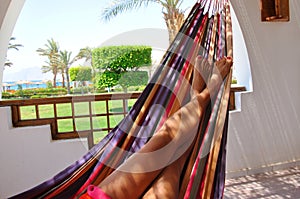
x=49, y=84
x=119, y=65
x=7, y=95
x=121, y=58
x=80, y=73
x=38, y=96
x=234, y=81
x=137, y=88
x=99, y=90
x=28, y=93
x=133, y=78
x=84, y=89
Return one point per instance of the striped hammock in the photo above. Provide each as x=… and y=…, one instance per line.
x=206, y=32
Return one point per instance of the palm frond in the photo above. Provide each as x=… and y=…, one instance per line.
x=13, y=46
x=46, y=68
x=8, y=63
x=85, y=53
x=171, y=4
x=120, y=6
x=65, y=57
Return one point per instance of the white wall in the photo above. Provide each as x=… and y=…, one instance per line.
x=28, y=156
x=266, y=133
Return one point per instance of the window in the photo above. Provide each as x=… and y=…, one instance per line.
x=275, y=10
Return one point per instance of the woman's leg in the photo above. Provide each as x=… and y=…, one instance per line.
x=166, y=185
x=132, y=178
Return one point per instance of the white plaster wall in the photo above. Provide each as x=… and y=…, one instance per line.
x=266, y=133
x=3, y=9
x=263, y=135
x=28, y=156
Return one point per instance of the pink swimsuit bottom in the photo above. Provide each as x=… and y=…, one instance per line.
x=94, y=192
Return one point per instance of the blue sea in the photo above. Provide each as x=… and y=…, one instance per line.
x=27, y=84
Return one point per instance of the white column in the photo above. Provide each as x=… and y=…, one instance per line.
x=6, y=28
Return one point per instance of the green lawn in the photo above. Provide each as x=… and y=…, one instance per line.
x=80, y=109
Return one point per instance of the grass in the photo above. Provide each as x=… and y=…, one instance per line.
x=80, y=109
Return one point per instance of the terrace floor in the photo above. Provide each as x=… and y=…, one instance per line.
x=275, y=184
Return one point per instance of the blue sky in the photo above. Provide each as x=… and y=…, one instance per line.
x=74, y=24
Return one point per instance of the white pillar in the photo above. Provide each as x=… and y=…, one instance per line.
x=9, y=19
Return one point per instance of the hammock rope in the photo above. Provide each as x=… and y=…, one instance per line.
x=206, y=32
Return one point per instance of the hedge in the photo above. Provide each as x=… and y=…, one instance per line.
x=37, y=93
x=121, y=57
x=119, y=65
x=80, y=73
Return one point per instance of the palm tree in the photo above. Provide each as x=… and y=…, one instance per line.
x=51, y=51
x=61, y=70
x=173, y=15
x=12, y=46
x=87, y=53
x=66, y=62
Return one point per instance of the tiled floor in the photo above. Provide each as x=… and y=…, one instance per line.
x=276, y=184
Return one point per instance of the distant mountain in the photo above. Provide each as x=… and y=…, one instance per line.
x=33, y=73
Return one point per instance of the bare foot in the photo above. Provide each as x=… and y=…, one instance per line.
x=201, y=74
x=220, y=71
x=224, y=66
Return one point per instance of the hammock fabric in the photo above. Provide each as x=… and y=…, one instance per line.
x=206, y=32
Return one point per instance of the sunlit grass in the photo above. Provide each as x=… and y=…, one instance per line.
x=64, y=110
x=46, y=111
x=98, y=136
x=99, y=122
x=65, y=125
x=28, y=112
x=80, y=109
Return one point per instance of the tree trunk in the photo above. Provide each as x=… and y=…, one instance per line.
x=54, y=80
x=63, y=79
x=81, y=87
x=68, y=81
x=174, y=20
x=125, y=100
